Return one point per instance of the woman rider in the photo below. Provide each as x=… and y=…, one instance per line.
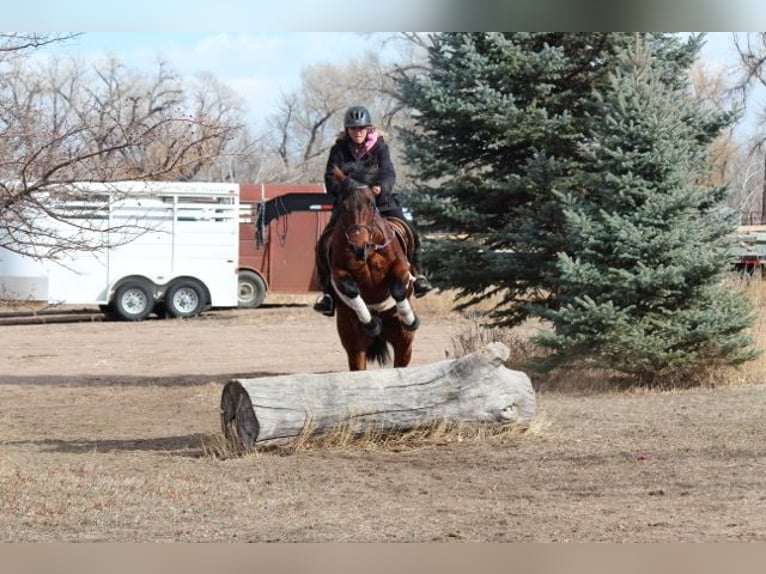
x=361, y=143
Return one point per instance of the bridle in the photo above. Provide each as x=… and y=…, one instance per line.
x=370, y=246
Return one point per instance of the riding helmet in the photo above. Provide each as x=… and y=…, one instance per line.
x=357, y=116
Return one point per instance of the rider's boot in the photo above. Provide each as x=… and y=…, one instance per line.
x=325, y=305
x=421, y=286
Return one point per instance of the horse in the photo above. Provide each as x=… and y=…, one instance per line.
x=370, y=274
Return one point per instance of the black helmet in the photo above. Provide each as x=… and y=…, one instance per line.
x=357, y=116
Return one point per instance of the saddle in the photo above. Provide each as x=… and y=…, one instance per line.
x=404, y=235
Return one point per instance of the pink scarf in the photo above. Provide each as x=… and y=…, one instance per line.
x=363, y=150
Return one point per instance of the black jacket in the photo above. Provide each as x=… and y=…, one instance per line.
x=377, y=158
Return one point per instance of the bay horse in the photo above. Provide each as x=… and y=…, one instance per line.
x=370, y=274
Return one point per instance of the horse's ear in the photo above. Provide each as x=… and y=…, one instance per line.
x=338, y=173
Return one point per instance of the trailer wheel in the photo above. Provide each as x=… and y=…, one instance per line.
x=133, y=300
x=185, y=298
x=252, y=290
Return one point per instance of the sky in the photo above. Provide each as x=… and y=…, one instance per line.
x=261, y=66
x=177, y=15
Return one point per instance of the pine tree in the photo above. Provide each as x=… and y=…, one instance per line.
x=500, y=123
x=641, y=286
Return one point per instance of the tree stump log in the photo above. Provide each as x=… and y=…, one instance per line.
x=476, y=388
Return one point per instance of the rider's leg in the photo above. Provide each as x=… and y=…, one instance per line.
x=421, y=286
x=325, y=303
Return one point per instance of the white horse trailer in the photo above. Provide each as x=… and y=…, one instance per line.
x=170, y=248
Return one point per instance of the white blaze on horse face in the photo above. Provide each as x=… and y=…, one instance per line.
x=359, y=236
x=406, y=313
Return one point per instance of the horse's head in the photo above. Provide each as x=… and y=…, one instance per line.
x=357, y=209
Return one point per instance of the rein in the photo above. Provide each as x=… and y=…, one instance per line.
x=371, y=230
x=385, y=228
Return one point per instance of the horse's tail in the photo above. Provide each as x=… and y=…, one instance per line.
x=378, y=351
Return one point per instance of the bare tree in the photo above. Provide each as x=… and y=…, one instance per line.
x=751, y=47
x=64, y=124
x=218, y=114
x=19, y=44
x=709, y=87
x=309, y=120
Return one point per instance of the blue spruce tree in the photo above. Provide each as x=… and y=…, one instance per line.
x=642, y=285
x=500, y=123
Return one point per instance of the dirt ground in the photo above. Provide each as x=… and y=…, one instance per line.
x=104, y=427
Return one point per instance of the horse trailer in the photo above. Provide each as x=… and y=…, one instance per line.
x=165, y=247
x=278, y=231
x=172, y=248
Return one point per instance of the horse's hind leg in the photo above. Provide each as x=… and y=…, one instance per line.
x=402, y=357
x=402, y=344
x=357, y=361
x=351, y=339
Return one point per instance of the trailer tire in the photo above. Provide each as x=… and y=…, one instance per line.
x=185, y=298
x=251, y=290
x=133, y=300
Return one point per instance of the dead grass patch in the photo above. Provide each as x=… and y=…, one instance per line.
x=345, y=436
x=441, y=303
x=372, y=438
x=590, y=380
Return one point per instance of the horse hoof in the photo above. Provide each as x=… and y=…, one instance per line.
x=413, y=326
x=374, y=327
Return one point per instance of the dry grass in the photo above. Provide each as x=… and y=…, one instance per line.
x=441, y=303
x=217, y=445
x=345, y=437
x=753, y=371
x=588, y=380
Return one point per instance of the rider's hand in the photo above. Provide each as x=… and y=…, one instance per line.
x=376, y=189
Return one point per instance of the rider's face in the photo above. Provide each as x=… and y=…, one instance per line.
x=358, y=134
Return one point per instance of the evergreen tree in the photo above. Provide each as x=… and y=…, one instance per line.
x=501, y=119
x=641, y=286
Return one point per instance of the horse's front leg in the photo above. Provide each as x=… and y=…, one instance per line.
x=407, y=314
x=348, y=291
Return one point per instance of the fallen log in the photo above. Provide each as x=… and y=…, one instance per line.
x=476, y=388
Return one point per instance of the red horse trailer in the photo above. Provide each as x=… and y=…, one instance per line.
x=278, y=230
